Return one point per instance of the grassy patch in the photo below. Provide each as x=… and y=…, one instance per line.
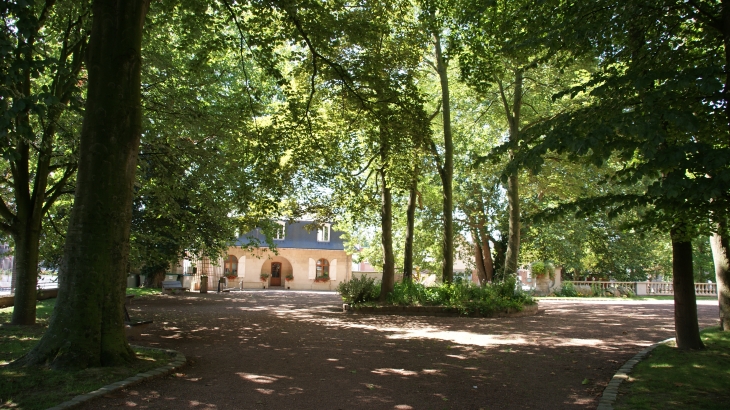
x=137, y=292
x=671, y=378
x=31, y=388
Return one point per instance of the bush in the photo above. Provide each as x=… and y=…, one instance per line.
x=540, y=268
x=567, y=289
x=465, y=296
x=361, y=289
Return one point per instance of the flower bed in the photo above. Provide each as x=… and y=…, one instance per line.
x=527, y=310
x=464, y=299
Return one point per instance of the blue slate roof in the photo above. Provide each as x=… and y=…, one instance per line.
x=297, y=237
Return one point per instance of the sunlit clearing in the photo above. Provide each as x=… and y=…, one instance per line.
x=580, y=342
x=698, y=366
x=464, y=338
x=265, y=391
x=400, y=372
x=257, y=378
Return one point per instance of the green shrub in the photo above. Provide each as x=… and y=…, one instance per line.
x=540, y=268
x=567, y=289
x=466, y=297
x=361, y=289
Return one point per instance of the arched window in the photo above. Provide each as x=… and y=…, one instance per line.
x=230, y=266
x=323, y=268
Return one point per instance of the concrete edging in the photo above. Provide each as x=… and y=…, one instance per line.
x=177, y=362
x=610, y=393
x=527, y=310
x=43, y=294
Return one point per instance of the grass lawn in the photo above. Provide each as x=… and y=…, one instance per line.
x=40, y=387
x=670, y=378
x=137, y=292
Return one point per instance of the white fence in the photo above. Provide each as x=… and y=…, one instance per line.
x=44, y=282
x=649, y=288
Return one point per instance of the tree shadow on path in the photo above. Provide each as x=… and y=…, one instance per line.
x=296, y=350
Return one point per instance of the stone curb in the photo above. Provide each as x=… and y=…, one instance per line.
x=608, y=398
x=176, y=363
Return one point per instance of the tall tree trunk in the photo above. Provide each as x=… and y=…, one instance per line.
x=410, y=223
x=721, y=257
x=28, y=222
x=87, y=325
x=30, y=206
x=479, y=260
x=513, y=194
x=513, y=241
x=486, y=253
x=386, y=224
x=719, y=241
x=686, y=327
x=447, y=171
x=25, y=270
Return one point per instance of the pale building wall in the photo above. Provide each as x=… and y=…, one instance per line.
x=293, y=261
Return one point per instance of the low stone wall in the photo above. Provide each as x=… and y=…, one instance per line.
x=7, y=301
x=527, y=310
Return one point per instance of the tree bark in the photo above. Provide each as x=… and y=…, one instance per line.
x=386, y=223
x=87, y=325
x=486, y=253
x=479, y=261
x=447, y=171
x=721, y=258
x=686, y=327
x=513, y=194
x=25, y=270
x=410, y=222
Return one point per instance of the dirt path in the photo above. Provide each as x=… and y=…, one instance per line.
x=295, y=350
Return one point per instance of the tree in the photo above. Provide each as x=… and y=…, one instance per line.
x=87, y=325
x=44, y=45
x=433, y=18
x=721, y=256
x=660, y=112
x=205, y=169
x=370, y=73
x=518, y=76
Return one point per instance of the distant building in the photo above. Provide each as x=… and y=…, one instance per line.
x=307, y=257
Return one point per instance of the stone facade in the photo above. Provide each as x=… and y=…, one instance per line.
x=299, y=247
x=297, y=262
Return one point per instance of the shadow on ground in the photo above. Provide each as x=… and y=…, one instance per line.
x=296, y=350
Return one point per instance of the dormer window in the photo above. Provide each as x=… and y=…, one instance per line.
x=323, y=233
x=280, y=233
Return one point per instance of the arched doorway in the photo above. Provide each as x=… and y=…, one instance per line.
x=277, y=268
x=275, y=274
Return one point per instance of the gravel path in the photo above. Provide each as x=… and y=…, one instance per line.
x=295, y=350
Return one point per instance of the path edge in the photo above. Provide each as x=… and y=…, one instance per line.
x=610, y=393
x=177, y=362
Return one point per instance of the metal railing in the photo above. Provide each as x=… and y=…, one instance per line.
x=649, y=288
